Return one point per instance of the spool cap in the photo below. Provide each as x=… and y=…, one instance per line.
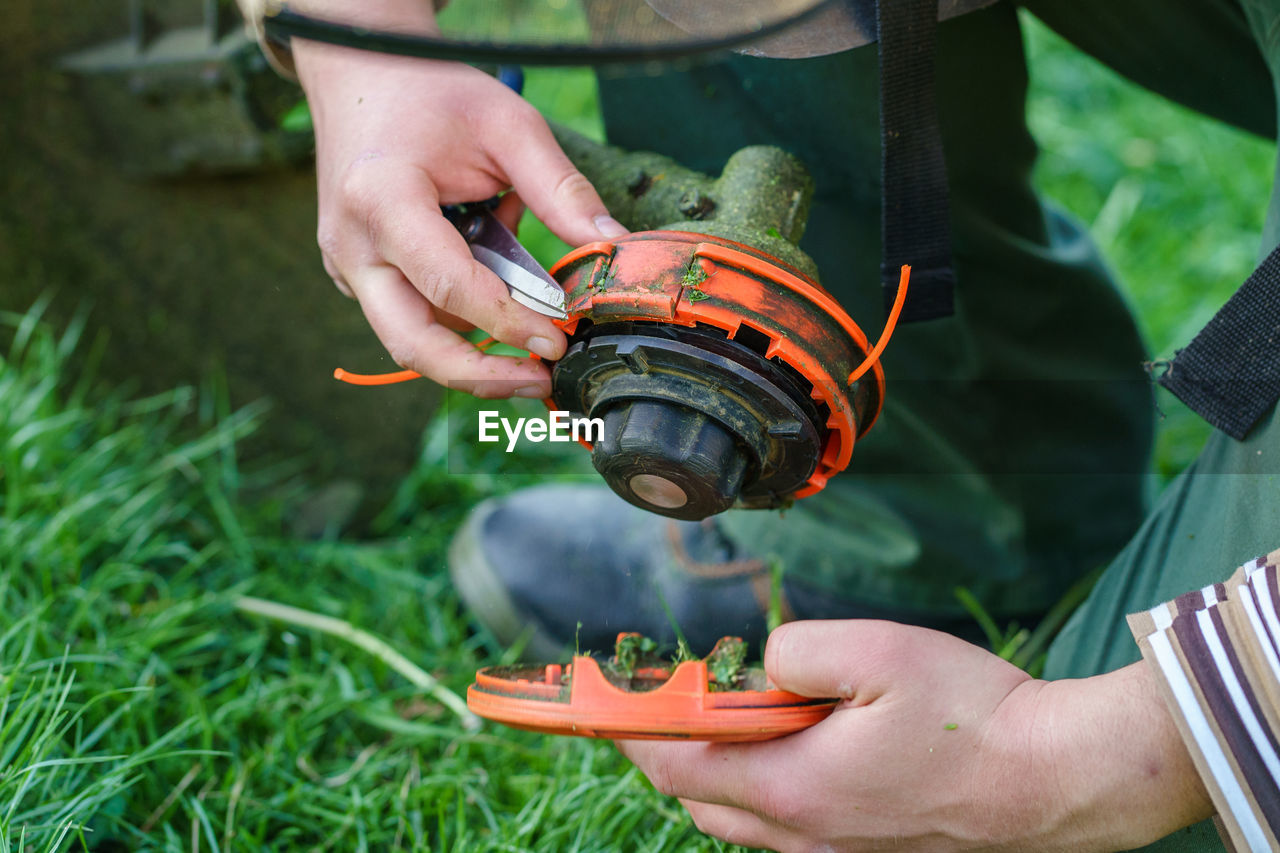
x=669, y=459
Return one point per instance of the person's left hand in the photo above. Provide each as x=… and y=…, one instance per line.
x=937, y=745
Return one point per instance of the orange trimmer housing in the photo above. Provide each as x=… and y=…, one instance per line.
x=694, y=281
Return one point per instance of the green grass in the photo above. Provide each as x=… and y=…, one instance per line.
x=142, y=706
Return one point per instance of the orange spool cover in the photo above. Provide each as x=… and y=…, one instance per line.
x=663, y=704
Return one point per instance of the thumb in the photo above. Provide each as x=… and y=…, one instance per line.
x=554, y=189
x=851, y=659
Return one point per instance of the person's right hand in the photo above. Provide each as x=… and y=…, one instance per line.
x=396, y=138
x=938, y=745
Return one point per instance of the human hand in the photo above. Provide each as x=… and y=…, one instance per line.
x=938, y=745
x=397, y=138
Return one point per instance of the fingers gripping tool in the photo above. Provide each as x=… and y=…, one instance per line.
x=494, y=246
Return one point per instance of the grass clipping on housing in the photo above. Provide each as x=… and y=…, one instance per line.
x=638, y=665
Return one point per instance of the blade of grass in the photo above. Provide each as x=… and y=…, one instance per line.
x=368, y=642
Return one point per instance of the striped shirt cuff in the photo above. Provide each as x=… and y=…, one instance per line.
x=1217, y=652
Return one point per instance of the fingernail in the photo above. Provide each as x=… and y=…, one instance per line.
x=541, y=346
x=535, y=391
x=609, y=227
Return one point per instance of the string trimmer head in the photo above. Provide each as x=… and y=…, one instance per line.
x=724, y=374
x=719, y=371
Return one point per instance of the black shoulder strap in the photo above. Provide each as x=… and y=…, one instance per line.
x=1230, y=372
x=915, y=225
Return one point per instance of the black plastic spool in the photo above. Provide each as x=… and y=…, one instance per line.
x=694, y=423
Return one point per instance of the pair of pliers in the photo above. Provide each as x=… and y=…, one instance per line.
x=493, y=245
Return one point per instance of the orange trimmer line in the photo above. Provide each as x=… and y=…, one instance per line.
x=375, y=378
x=872, y=357
x=391, y=378
x=889, y=326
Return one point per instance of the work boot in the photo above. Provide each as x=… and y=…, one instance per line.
x=565, y=566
